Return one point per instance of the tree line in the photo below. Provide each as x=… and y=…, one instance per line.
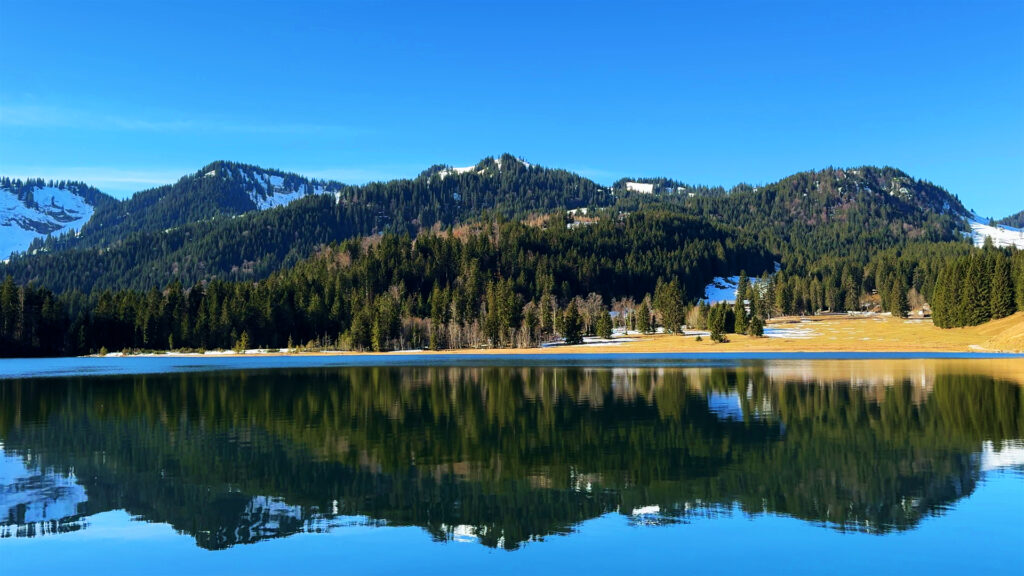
x=985, y=285
x=505, y=284
x=496, y=284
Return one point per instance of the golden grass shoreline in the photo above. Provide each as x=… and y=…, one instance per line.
x=821, y=334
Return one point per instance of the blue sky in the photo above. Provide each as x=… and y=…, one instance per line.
x=127, y=95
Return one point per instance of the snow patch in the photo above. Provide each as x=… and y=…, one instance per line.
x=30, y=495
x=1002, y=236
x=271, y=191
x=722, y=289
x=640, y=187
x=790, y=333
x=1011, y=455
x=53, y=211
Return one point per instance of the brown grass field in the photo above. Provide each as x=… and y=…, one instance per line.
x=809, y=334
x=822, y=334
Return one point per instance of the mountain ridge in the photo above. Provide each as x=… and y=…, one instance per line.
x=211, y=223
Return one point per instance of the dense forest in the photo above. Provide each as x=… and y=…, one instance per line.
x=500, y=283
x=507, y=284
x=500, y=254
x=979, y=287
x=204, y=227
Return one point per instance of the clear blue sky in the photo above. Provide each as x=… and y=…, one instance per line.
x=126, y=95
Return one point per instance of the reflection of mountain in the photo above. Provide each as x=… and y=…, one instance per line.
x=501, y=455
x=33, y=502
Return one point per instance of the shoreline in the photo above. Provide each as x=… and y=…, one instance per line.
x=795, y=335
x=855, y=367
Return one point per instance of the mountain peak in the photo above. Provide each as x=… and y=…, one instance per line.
x=486, y=167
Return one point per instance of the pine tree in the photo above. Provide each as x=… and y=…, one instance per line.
x=438, y=316
x=604, y=325
x=10, y=310
x=1001, y=289
x=783, y=295
x=643, y=318
x=940, y=299
x=669, y=301
x=977, y=307
x=851, y=290
x=898, y=298
x=1018, y=278
x=717, y=322
x=242, y=344
x=756, y=327
x=739, y=307
x=572, y=325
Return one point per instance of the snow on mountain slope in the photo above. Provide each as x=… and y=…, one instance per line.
x=1001, y=236
x=268, y=190
x=721, y=289
x=480, y=168
x=46, y=210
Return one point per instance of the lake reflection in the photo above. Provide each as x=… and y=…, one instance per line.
x=506, y=455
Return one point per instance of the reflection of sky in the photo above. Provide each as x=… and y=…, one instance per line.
x=28, y=495
x=980, y=534
x=725, y=406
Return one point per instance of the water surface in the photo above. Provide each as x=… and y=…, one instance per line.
x=722, y=465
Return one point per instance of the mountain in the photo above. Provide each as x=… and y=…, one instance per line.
x=503, y=253
x=209, y=224
x=217, y=190
x=837, y=213
x=34, y=209
x=237, y=221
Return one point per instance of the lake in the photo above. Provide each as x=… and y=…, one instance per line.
x=511, y=465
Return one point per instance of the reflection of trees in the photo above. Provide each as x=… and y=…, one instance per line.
x=514, y=453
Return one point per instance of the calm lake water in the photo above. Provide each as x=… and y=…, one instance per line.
x=724, y=465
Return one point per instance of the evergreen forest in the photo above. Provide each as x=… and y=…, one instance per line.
x=505, y=254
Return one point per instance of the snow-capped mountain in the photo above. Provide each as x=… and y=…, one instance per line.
x=34, y=209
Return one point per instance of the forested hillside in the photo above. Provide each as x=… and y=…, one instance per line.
x=220, y=189
x=502, y=253
x=202, y=228
x=499, y=284
x=206, y=226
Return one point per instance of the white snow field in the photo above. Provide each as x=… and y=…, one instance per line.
x=1002, y=236
x=56, y=211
